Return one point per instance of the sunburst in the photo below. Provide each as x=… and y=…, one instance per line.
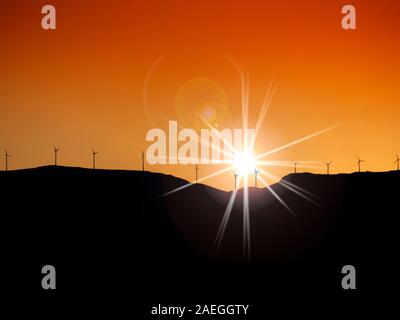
x=245, y=162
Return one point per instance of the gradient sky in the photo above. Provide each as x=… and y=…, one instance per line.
x=82, y=85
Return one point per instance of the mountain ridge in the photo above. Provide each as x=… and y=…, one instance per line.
x=184, y=181
x=303, y=214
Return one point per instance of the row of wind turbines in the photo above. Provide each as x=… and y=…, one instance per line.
x=197, y=169
x=296, y=163
x=236, y=175
x=359, y=161
x=55, y=150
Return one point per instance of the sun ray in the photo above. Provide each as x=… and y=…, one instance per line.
x=289, y=187
x=297, y=187
x=285, y=164
x=199, y=180
x=276, y=196
x=220, y=137
x=290, y=144
x=190, y=159
x=205, y=141
x=225, y=219
x=264, y=109
x=245, y=107
x=246, y=221
x=234, y=63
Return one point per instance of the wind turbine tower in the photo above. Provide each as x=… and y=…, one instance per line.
x=197, y=172
x=256, y=172
x=359, y=161
x=94, y=153
x=6, y=155
x=327, y=166
x=295, y=166
x=143, y=159
x=235, y=175
x=397, y=161
x=55, y=149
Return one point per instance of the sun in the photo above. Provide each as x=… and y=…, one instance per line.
x=245, y=163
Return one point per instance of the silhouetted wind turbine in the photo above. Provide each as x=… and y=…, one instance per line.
x=6, y=155
x=197, y=174
x=397, y=161
x=327, y=166
x=255, y=176
x=359, y=163
x=235, y=175
x=55, y=149
x=295, y=166
x=94, y=153
x=143, y=159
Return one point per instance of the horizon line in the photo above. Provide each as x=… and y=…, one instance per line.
x=195, y=183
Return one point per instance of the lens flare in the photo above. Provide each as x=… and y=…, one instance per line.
x=246, y=163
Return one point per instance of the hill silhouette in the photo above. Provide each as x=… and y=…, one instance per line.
x=186, y=222
x=98, y=218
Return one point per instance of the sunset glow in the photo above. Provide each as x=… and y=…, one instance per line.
x=106, y=84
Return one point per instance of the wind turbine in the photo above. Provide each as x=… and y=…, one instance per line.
x=235, y=175
x=327, y=166
x=197, y=170
x=94, y=153
x=359, y=161
x=6, y=155
x=143, y=159
x=255, y=176
x=397, y=161
x=55, y=149
x=295, y=166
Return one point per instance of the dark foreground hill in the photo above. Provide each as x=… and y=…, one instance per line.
x=344, y=210
x=119, y=220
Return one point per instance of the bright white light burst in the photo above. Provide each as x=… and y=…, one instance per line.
x=245, y=163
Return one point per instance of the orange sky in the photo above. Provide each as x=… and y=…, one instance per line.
x=82, y=85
